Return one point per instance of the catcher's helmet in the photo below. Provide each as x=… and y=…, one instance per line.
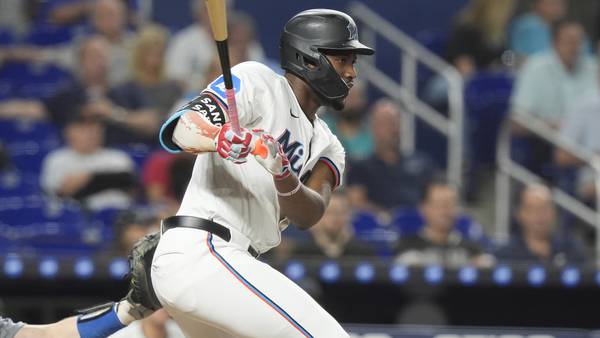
x=305, y=40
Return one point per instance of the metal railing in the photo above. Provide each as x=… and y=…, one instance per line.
x=404, y=90
x=509, y=169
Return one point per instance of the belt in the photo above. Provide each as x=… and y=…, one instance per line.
x=201, y=224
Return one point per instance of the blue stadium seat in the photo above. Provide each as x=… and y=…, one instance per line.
x=14, y=183
x=28, y=142
x=32, y=81
x=48, y=35
x=7, y=37
x=139, y=152
x=39, y=223
x=368, y=228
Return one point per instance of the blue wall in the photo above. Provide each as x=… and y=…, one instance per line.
x=412, y=16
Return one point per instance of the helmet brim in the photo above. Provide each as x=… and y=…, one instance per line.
x=352, y=46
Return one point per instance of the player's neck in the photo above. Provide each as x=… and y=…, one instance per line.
x=305, y=96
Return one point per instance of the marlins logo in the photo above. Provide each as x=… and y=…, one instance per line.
x=352, y=30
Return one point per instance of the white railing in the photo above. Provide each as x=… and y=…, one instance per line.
x=404, y=90
x=510, y=170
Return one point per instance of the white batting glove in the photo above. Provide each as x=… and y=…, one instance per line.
x=269, y=153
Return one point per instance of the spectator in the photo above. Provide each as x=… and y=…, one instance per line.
x=109, y=20
x=92, y=95
x=158, y=325
x=536, y=219
x=438, y=242
x=132, y=225
x=549, y=85
x=531, y=32
x=148, y=77
x=580, y=128
x=333, y=236
x=478, y=38
x=165, y=177
x=387, y=179
x=84, y=170
x=189, y=64
x=350, y=125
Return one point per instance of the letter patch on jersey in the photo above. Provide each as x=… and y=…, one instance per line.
x=218, y=86
x=293, y=150
x=210, y=106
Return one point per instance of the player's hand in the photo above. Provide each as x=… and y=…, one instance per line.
x=269, y=153
x=234, y=147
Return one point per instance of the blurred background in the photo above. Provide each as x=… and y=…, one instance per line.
x=469, y=204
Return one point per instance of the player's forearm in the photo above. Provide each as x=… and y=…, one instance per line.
x=303, y=208
x=66, y=328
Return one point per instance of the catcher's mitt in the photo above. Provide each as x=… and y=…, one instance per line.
x=141, y=293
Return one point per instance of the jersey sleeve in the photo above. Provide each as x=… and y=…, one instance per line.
x=248, y=82
x=334, y=157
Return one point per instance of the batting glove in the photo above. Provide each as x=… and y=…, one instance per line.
x=269, y=153
x=234, y=147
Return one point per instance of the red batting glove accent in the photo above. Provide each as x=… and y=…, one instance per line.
x=234, y=147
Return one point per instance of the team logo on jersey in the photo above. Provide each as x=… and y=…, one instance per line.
x=218, y=85
x=293, y=150
x=210, y=106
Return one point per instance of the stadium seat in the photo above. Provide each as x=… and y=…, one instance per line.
x=48, y=35
x=28, y=142
x=32, y=81
x=368, y=228
x=40, y=223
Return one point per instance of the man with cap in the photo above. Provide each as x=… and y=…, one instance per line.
x=246, y=187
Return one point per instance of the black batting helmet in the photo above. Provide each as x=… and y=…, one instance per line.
x=305, y=40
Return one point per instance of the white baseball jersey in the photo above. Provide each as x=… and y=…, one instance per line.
x=243, y=197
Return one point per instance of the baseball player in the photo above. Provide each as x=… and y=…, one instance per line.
x=103, y=320
x=246, y=187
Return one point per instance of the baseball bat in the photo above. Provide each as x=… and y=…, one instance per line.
x=217, y=14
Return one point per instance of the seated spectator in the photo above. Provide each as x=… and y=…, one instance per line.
x=131, y=226
x=350, y=125
x=188, y=64
x=84, y=170
x=478, y=38
x=109, y=20
x=530, y=33
x=92, y=95
x=333, y=236
x=536, y=242
x=580, y=128
x=387, y=179
x=550, y=84
x=438, y=242
x=148, y=77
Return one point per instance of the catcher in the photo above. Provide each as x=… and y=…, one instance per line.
x=102, y=320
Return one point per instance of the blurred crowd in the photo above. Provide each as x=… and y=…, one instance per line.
x=102, y=79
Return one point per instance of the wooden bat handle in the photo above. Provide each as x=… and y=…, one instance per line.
x=217, y=13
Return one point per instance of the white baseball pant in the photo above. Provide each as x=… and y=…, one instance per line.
x=213, y=288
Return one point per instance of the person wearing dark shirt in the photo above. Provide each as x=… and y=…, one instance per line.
x=91, y=95
x=387, y=179
x=333, y=236
x=536, y=218
x=439, y=242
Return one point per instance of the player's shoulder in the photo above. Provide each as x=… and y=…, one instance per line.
x=254, y=68
x=248, y=78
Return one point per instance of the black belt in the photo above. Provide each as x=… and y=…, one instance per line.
x=202, y=224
